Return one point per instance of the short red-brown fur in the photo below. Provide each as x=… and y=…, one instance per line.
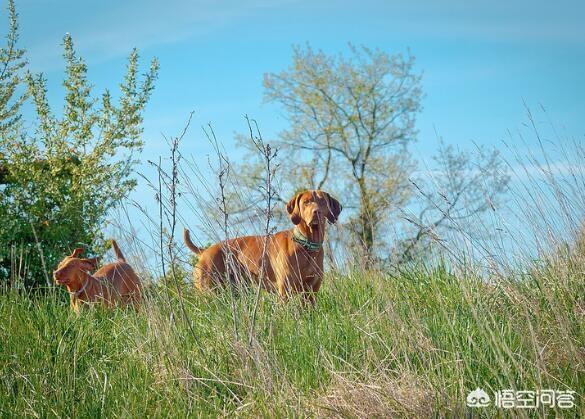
x=112, y=284
x=288, y=267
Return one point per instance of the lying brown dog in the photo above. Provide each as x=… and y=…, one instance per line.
x=112, y=284
x=294, y=258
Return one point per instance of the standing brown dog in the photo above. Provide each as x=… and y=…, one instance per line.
x=293, y=259
x=112, y=284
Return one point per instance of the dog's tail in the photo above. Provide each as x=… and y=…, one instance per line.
x=189, y=243
x=117, y=251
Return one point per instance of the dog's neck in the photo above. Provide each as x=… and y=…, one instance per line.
x=86, y=281
x=313, y=233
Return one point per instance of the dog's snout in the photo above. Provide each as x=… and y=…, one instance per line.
x=58, y=276
x=316, y=216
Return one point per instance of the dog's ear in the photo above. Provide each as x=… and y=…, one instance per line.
x=334, y=208
x=77, y=252
x=293, y=209
x=90, y=264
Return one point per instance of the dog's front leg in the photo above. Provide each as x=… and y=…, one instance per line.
x=283, y=290
x=74, y=304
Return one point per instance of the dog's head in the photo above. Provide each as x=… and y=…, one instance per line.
x=313, y=208
x=72, y=269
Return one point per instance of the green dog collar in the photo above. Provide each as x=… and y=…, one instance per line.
x=306, y=243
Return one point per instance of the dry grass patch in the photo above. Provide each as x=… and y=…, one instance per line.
x=381, y=395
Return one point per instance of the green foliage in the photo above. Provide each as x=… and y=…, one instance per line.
x=12, y=63
x=412, y=345
x=61, y=181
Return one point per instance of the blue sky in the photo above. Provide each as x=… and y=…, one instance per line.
x=481, y=59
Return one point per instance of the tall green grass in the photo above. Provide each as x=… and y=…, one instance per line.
x=376, y=344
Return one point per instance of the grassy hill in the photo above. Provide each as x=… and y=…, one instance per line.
x=376, y=345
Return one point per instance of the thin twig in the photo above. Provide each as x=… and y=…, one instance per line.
x=268, y=155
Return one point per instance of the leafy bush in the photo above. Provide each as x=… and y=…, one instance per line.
x=59, y=183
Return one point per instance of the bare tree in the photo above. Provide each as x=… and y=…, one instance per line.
x=462, y=186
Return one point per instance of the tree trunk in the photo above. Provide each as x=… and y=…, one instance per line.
x=366, y=221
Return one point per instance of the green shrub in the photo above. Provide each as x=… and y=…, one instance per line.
x=59, y=182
